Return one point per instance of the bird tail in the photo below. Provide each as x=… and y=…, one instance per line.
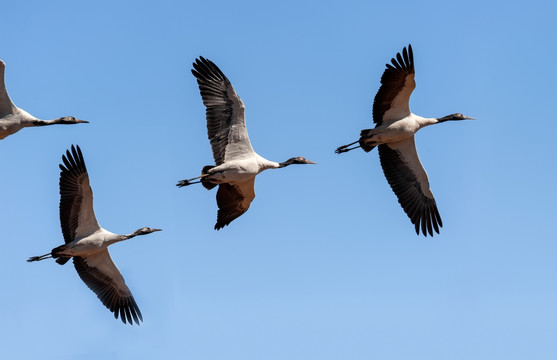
x=364, y=132
x=364, y=135
x=60, y=259
x=206, y=183
x=367, y=147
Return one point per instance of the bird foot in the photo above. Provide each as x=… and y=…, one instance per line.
x=342, y=149
x=34, y=258
x=183, y=183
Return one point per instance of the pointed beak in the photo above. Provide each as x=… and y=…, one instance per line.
x=469, y=118
x=156, y=230
x=310, y=162
x=82, y=121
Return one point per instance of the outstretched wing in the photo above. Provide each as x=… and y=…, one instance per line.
x=397, y=84
x=100, y=274
x=77, y=216
x=226, y=126
x=6, y=105
x=233, y=201
x=409, y=181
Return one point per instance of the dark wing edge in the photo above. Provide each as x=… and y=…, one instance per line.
x=72, y=174
x=118, y=300
x=74, y=187
x=223, y=106
x=393, y=82
x=233, y=201
x=421, y=209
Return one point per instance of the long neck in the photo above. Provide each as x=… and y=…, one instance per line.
x=265, y=164
x=117, y=238
x=423, y=122
x=285, y=163
x=38, y=122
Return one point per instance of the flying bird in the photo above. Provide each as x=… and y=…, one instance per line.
x=393, y=134
x=87, y=243
x=237, y=163
x=13, y=119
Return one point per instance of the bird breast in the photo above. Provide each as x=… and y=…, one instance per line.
x=396, y=131
x=91, y=244
x=235, y=171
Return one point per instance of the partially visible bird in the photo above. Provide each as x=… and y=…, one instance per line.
x=13, y=119
x=394, y=135
x=87, y=243
x=237, y=163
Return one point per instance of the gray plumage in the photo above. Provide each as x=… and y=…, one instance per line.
x=237, y=163
x=394, y=137
x=13, y=119
x=87, y=243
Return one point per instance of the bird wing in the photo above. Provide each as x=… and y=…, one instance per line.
x=6, y=104
x=409, y=181
x=77, y=216
x=233, y=201
x=226, y=126
x=397, y=84
x=100, y=274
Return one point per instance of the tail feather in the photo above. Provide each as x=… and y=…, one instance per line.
x=206, y=183
x=365, y=140
x=364, y=132
x=62, y=260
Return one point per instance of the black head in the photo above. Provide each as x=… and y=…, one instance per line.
x=145, y=231
x=456, y=116
x=296, y=160
x=71, y=120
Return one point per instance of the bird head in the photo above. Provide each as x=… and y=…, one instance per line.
x=71, y=120
x=456, y=116
x=296, y=160
x=144, y=231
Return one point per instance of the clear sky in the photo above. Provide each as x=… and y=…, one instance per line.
x=325, y=264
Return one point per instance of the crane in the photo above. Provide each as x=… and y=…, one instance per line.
x=395, y=126
x=237, y=163
x=13, y=119
x=87, y=243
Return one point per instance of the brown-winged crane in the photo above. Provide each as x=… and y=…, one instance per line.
x=237, y=163
x=393, y=134
x=87, y=243
x=13, y=119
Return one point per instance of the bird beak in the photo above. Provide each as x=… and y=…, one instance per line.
x=156, y=230
x=82, y=121
x=310, y=162
x=469, y=118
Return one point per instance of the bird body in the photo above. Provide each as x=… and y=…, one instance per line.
x=239, y=170
x=90, y=244
x=394, y=134
x=236, y=163
x=87, y=243
x=13, y=119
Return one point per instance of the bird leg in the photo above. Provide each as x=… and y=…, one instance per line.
x=187, y=182
x=39, y=258
x=344, y=148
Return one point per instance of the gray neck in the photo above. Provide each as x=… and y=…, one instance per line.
x=117, y=238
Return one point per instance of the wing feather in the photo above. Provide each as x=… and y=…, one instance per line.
x=6, y=104
x=397, y=83
x=226, y=126
x=101, y=275
x=408, y=179
x=77, y=216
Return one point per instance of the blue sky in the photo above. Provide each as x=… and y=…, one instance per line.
x=325, y=264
